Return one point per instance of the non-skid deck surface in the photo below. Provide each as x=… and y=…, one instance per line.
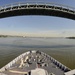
x=50, y=67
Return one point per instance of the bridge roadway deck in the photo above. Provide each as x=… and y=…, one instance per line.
x=46, y=9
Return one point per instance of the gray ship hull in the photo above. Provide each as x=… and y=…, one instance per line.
x=32, y=61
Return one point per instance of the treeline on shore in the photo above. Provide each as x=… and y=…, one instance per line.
x=3, y=36
x=70, y=37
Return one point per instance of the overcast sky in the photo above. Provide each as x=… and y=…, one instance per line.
x=38, y=25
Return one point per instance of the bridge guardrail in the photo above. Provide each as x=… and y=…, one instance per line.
x=38, y=3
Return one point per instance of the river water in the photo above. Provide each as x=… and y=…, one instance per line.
x=60, y=48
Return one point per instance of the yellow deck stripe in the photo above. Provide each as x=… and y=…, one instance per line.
x=17, y=72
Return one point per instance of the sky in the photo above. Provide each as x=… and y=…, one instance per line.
x=42, y=26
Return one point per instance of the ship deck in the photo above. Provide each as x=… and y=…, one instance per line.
x=34, y=60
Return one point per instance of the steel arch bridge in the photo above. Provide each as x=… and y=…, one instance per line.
x=32, y=8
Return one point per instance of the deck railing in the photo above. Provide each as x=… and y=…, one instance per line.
x=57, y=63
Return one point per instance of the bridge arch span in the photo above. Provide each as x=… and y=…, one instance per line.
x=49, y=9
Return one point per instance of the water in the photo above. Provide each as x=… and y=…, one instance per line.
x=60, y=48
